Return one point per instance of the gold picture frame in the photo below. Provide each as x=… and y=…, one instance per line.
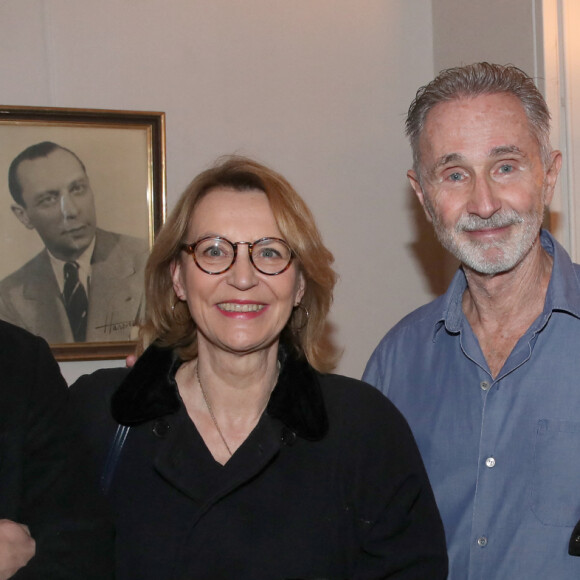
x=122, y=154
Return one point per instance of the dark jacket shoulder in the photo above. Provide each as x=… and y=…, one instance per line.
x=43, y=483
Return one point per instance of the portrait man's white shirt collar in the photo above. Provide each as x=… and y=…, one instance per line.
x=84, y=262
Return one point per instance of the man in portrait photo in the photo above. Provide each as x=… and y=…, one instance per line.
x=86, y=285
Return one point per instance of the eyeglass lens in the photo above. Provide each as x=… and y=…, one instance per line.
x=269, y=255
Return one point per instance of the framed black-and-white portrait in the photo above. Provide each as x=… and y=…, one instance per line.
x=82, y=196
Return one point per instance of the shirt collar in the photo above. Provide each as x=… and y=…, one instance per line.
x=564, y=289
x=563, y=292
x=452, y=306
x=84, y=262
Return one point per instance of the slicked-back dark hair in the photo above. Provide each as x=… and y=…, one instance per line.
x=36, y=151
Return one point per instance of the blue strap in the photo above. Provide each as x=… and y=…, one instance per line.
x=113, y=457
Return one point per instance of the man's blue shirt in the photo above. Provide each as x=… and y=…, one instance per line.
x=503, y=455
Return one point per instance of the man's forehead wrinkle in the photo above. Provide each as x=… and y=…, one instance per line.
x=46, y=192
x=450, y=158
x=65, y=184
x=445, y=160
x=81, y=179
x=503, y=149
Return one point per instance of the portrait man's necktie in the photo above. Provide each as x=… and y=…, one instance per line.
x=75, y=301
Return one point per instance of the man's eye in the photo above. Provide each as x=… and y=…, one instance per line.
x=46, y=200
x=77, y=188
x=506, y=168
x=455, y=176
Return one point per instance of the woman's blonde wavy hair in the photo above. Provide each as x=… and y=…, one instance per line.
x=168, y=321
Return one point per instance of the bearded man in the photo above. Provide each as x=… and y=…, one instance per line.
x=488, y=375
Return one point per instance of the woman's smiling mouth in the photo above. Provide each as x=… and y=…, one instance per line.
x=240, y=307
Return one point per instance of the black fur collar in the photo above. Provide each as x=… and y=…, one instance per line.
x=149, y=391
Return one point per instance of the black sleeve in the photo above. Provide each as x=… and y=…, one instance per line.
x=398, y=524
x=63, y=509
x=93, y=423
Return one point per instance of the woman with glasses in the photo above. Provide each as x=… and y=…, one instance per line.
x=227, y=451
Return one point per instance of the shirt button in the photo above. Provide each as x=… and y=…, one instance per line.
x=484, y=385
x=482, y=542
x=288, y=437
x=161, y=428
x=490, y=462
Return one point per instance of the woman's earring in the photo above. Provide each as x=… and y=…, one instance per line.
x=305, y=317
x=175, y=303
x=300, y=305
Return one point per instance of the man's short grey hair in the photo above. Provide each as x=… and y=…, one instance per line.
x=477, y=79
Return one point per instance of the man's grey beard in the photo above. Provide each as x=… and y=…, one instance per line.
x=473, y=253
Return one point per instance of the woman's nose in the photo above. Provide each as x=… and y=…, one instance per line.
x=242, y=274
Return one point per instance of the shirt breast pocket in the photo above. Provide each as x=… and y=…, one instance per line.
x=556, y=477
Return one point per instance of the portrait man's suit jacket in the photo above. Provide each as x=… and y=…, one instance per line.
x=30, y=297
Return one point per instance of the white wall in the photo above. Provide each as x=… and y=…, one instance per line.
x=316, y=88
x=562, y=22
x=501, y=31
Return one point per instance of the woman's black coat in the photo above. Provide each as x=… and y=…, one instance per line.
x=328, y=485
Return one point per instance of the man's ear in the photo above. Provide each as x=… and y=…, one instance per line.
x=21, y=213
x=416, y=185
x=552, y=176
